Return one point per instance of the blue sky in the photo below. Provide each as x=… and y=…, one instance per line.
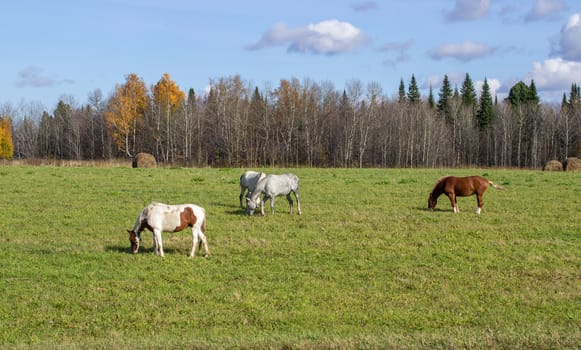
x=69, y=48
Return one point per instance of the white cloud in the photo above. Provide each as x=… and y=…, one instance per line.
x=33, y=76
x=466, y=10
x=466, y=51
x=493, y=84
x=545, y=9
x=326, y=37
x=397, y=46
x=555, y=74
x=435, y=81
x=569, y=42
x=365, y=6
x=399, y=50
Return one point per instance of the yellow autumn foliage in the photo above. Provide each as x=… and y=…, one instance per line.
x=6, y=146
x=126, y=107
x=167, y=93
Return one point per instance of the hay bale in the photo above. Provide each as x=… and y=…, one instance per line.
x=144, y=160
x=572, y=164
x=553, y=165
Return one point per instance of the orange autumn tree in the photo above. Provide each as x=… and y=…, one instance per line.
x=6, y=146
x=125, y=111
x=168, y=102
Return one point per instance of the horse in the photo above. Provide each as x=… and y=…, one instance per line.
x=159, y=217
x=272, y=186
x=454, y=187
x=248, y=181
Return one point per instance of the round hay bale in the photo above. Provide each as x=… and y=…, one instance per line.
x=144, y=160
x=553, y=165
x=572, y=164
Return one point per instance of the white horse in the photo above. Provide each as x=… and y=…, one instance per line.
x=248, y=181
x=158, y=218
x=272, y=186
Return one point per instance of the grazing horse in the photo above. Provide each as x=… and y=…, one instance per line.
x=453, y=187
x=158, y=218
x=272, y=186
x=248, y=181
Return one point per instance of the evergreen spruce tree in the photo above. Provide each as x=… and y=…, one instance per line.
x=256, y=107
x=431, y=101
x=533, y=96
x=413, y=91
x=575, y=95
x=564, y=103
x=401, y=92
x=445, y=97
x=456, y=94
x=485, y=111
x=518, y=94
x=467, y=92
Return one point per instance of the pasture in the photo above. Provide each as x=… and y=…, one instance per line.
x=365, y=266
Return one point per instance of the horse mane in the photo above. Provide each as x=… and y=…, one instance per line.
x=441, y=179
x=438, y=182
x=259, y=186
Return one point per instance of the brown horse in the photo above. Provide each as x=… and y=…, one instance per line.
x=454, y=187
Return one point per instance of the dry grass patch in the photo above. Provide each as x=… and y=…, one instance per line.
x=553, y=165
x=572, y=164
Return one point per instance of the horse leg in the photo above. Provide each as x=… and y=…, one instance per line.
x=195, y=235
x=290, y=202
x=154, y=244
x=157, y=243
x=452, y=197
x=480, y=201
x=298, y=202
x=262, y=204
x=242, y=190
x=272, y=204
x=204, y=241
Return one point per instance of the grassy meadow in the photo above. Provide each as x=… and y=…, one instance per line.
x=365, y=266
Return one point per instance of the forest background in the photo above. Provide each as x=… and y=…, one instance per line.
x=300, y=123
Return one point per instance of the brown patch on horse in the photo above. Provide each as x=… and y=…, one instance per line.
x=187, y=219
x=133, y=238
x=145, y=225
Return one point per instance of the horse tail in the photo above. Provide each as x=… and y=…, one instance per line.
x=498, y=187
x=203, y=225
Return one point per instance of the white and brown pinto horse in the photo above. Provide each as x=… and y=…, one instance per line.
x=159, y=217
x=453, y=187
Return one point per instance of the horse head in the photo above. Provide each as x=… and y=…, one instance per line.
x=134, y=238
x=251, y=205
x=432, y=202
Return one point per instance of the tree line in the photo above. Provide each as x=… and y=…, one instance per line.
x=301, y=123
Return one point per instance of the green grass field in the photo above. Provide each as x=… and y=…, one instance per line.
x=365, y=266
